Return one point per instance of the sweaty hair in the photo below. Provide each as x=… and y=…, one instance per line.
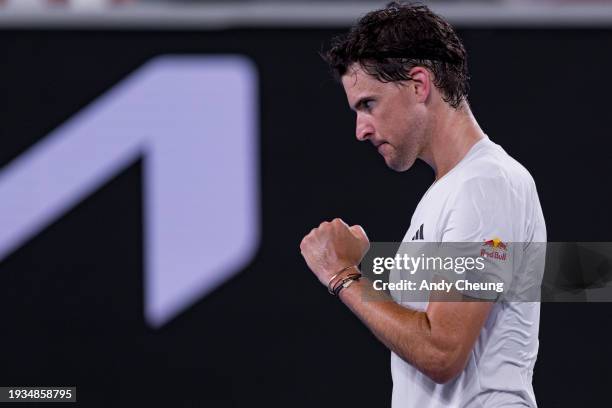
x=387, y=43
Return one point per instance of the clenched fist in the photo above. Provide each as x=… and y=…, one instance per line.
x=333, y=246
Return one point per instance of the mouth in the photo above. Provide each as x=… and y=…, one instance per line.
x=379, y=146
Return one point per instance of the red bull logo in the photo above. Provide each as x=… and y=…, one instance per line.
x=494, y=248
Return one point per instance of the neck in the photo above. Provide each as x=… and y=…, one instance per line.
x=451, y=136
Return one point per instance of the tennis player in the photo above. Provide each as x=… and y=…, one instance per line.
x=404, y=72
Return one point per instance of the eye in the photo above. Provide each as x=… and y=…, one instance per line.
x=368, y=104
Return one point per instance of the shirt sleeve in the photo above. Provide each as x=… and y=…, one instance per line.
x=480, y=225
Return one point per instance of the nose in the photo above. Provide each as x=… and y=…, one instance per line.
x=363, y=129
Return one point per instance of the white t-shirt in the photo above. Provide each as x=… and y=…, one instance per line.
x=487, y=195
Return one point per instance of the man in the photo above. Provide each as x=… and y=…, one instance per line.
x=404, y=72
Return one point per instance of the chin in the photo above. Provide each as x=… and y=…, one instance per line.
x=400, y=166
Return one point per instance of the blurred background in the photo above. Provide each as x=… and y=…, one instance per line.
x=161, y=161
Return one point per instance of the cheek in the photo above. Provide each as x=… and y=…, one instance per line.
x=413, y=126
x=400, y=130
x=400, y=126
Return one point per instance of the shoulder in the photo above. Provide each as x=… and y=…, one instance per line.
x=492, y=171
x=493, y=195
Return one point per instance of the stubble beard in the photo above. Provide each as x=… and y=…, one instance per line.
x=405, y=155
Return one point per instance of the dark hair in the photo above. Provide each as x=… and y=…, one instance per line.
x=387, y=43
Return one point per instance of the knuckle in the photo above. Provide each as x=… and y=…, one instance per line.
x=339, y=223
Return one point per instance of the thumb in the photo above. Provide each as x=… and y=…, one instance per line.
x=357, y=230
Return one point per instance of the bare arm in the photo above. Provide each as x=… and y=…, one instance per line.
x=437, y=342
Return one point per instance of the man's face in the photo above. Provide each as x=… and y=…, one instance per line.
x=388, y=115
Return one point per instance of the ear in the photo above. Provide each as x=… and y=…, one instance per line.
x=423, y=83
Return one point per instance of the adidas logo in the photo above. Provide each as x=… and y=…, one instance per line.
x=419, y=233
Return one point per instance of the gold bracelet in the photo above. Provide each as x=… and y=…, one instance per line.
x=346, y=282
x=329, y=284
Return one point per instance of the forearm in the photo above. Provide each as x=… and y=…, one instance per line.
x=407, y=332
x=436, y=342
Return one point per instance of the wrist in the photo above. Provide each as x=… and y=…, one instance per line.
x=345, y=279
x=356, y=285
x=339, y=275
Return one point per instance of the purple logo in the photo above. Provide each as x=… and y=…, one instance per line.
x=194, y=119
